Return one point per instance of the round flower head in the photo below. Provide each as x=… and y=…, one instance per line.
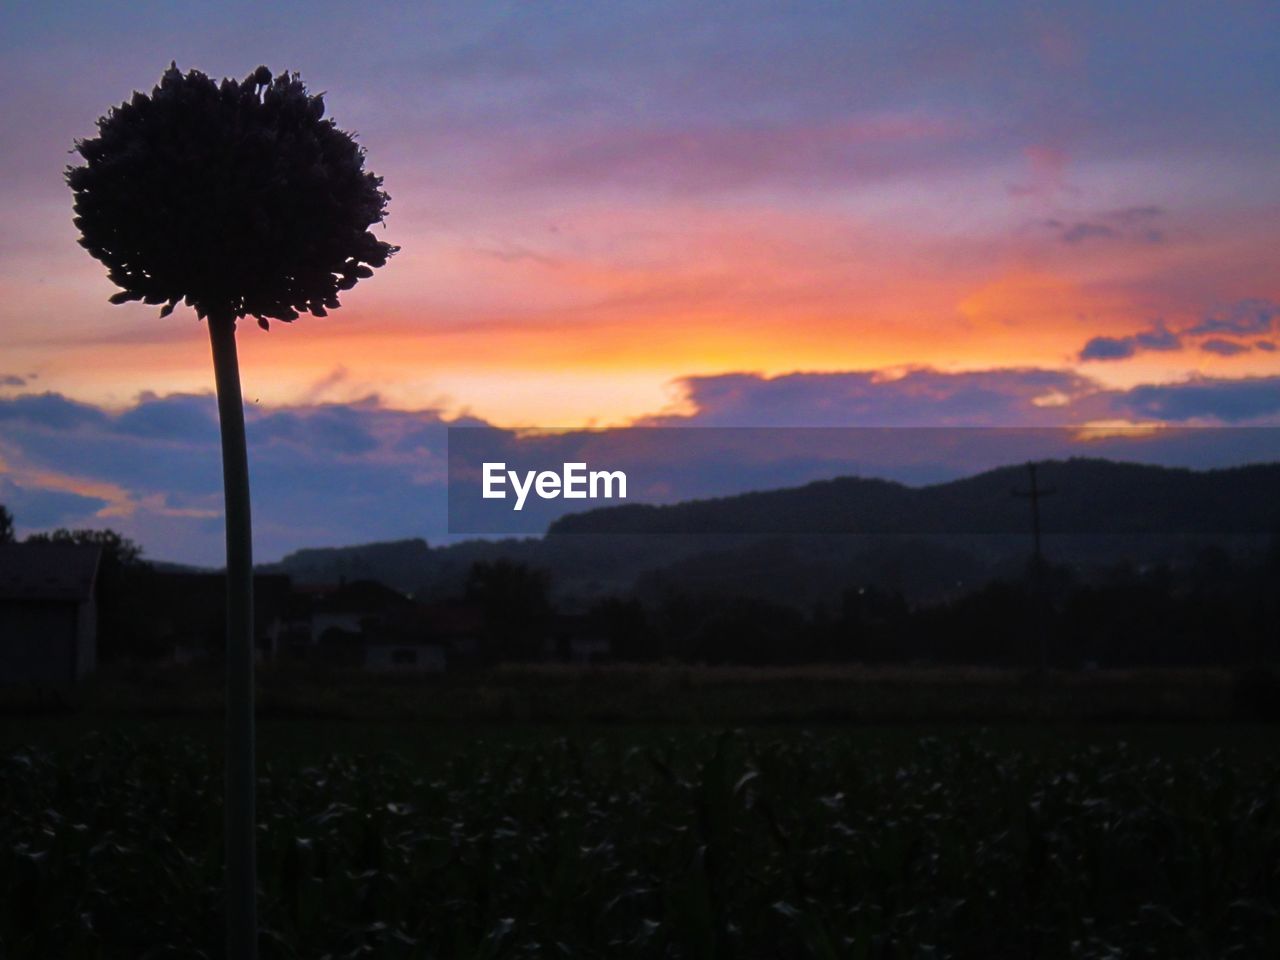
x=240, y=199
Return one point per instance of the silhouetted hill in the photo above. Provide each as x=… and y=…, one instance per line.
x=924, y=542
x=397, y=563
x=1089, y=496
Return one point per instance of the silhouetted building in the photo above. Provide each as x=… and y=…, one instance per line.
x=426, y=638
x=459, y=626
x=48, y=613
x=422, y=656
x=336, y=622
x=353, y=609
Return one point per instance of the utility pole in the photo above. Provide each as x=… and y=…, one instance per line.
x=1033, y=495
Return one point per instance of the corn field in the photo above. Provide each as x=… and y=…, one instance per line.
x=691, y=844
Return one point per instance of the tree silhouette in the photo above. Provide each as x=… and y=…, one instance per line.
x=514, y=600
x=6, y=525
x=120, y=549
x=238, y=199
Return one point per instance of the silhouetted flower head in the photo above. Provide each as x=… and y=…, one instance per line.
x=237, y=198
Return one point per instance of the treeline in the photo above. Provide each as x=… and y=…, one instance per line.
x=1218, y=610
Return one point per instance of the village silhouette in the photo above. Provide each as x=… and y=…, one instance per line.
x=1077, y=600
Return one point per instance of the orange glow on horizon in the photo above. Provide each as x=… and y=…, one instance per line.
x=596, y=321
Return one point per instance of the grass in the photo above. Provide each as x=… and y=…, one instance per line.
x=417, y=840
x=666, y=693
x=664, y=811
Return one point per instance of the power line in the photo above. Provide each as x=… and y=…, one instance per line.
x=1034, y=494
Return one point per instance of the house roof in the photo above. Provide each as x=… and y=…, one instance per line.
x=439, y=620
x=361, y=597
x=48, y=571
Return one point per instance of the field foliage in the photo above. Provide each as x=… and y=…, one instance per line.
x=686, y=843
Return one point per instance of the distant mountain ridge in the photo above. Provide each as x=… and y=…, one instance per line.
x=1082, y=496
x=395, y=563
x=922, y=540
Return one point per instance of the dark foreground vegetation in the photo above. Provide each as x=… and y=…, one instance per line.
x=673, y=842
x=668, y=693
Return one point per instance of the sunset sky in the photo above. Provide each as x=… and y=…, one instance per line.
x=734, y=214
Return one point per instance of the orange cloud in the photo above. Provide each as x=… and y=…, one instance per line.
x=586, y=313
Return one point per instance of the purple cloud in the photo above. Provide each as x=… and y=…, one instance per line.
x=869, y=398
x=1157, y=337
x=1109, y=348
x=1239, y=319
x=50, y=410
x=321, y=474
x=1137, y=224
x=35, y=508
x=1242, y=318
x=1136, y=216
x=1228, y=401
x=187, y=416
x=1079, y=232
x=1224, y=348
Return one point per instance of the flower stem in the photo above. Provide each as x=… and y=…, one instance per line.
x=240, y=817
